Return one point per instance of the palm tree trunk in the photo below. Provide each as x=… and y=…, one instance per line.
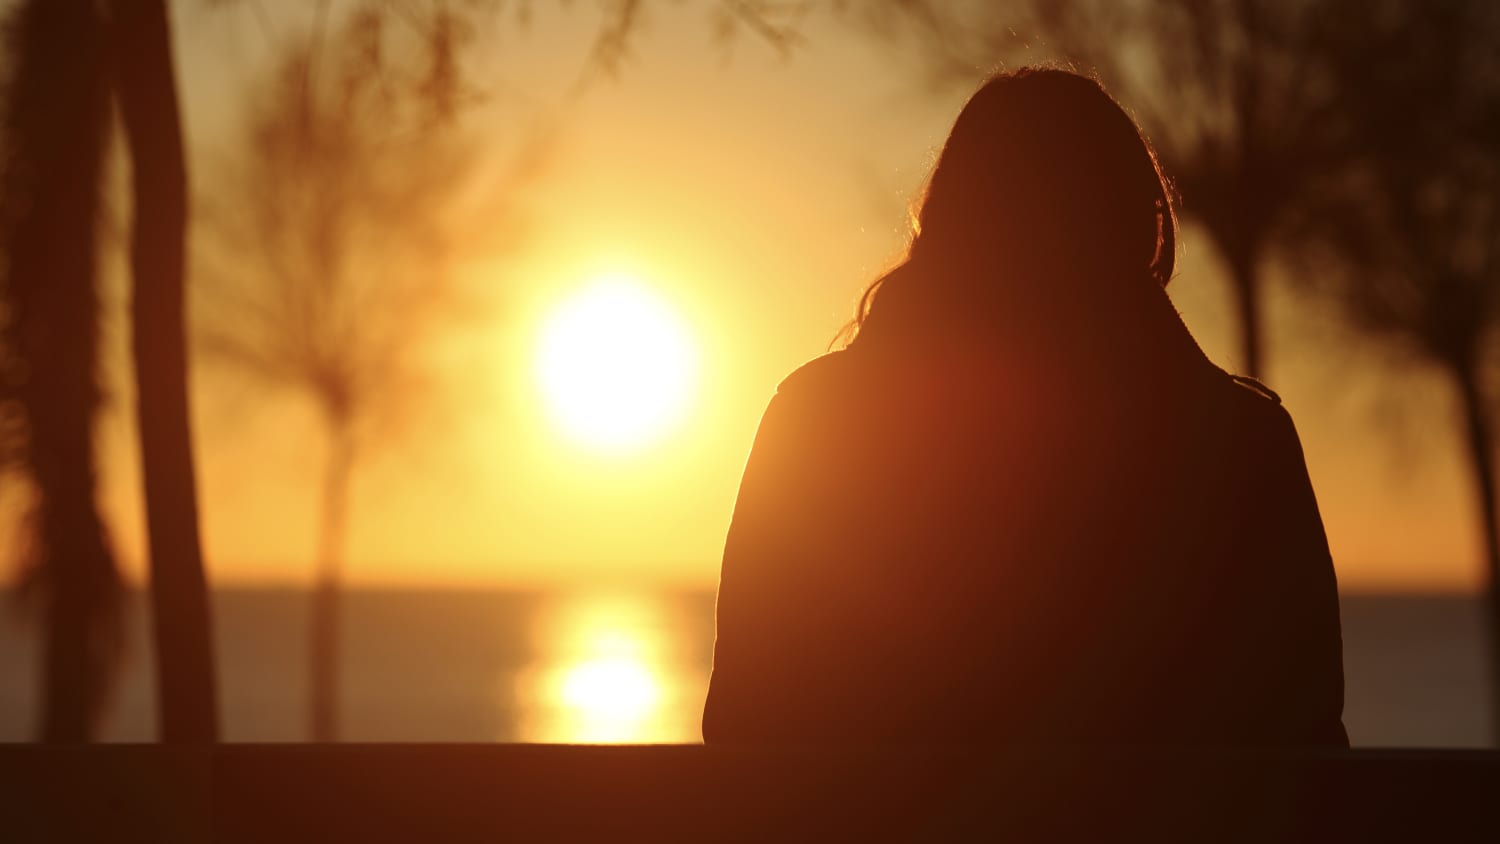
x=81, y=639
x=324, y=620
x=1479, y=436
x=55, y=123
x=182, y=628
x=81, y=587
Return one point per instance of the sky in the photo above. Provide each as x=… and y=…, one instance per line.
x=750, y=195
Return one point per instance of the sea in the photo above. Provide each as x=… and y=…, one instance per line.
x=632, y=666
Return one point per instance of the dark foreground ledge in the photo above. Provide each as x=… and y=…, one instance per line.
x=368, y=793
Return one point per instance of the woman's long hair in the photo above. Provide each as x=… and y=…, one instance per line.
x=1046, y=196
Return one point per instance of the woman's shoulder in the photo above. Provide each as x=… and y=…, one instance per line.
x=822, y=374
x=1255, y=387
x=828, y=391
x=1258, y=412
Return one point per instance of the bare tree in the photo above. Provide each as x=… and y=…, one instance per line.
x=1407, y=237
x=54, y=130
x=1238, y=97
x=331, y=242
x=330, y=260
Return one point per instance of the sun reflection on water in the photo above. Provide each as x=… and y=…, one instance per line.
x=607, y=677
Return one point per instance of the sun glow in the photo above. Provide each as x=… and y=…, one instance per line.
x=609, y=677
x=609, y=699
x=615, y=365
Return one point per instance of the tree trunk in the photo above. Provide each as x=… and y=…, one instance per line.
x=80, y=585
x=81, y=641
x=1479, y=436
x=1244, y=277
x=182, y=628
x=55, y=123
x=324, y=619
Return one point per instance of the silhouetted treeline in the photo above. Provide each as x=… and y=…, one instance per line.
x=1406, y=236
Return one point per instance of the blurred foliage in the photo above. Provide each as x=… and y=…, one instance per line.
x=328, y=234
x=1407, y=235
x=329, y=246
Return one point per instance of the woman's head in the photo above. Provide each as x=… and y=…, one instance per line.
x=1045, y=190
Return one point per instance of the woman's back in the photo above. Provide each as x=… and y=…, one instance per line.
x=1022, y=505
x=971, y=549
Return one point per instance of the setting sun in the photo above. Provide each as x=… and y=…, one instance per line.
x=615, y=365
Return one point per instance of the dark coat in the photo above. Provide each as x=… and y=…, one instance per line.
x=962, y=546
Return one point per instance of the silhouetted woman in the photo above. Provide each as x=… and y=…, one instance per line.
x=1021, y=505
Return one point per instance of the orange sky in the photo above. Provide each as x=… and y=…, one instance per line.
x=757, y=195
